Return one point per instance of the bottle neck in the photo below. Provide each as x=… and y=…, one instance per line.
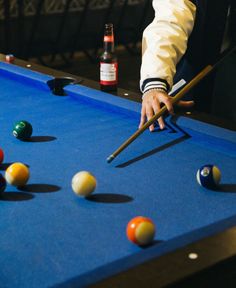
x=109, y=43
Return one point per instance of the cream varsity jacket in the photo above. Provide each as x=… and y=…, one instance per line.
x=164, y=42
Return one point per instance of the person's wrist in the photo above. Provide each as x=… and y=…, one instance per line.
x=157, y=89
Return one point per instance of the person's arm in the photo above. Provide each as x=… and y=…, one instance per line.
x=164, y=43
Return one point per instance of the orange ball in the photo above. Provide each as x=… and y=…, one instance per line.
x=141, y=230
x=17, y=174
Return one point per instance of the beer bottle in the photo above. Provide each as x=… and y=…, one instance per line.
x=108, y=62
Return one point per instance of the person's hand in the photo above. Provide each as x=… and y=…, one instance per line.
x=151, y=105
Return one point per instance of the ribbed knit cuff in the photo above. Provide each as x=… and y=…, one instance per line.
x=154, y=83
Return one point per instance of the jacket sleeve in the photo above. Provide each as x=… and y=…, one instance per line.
x=164, y=42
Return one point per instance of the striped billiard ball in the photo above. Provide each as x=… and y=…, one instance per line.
x=141, y=230
x=209, y=176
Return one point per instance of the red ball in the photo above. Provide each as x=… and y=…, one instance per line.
x=141, y=230
x=10, y=58
x=1, y=156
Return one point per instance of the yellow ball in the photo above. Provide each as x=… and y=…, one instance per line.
x=83, y=183
x=17, y=174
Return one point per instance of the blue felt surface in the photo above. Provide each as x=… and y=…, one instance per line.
x=47, y=237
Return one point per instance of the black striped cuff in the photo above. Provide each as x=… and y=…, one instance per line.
x=152, y=83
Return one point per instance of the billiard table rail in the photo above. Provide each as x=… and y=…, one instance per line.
x=190, y=260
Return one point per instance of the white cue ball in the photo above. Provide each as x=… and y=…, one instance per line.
x=83, y=183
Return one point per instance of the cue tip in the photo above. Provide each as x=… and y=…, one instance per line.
x=110, y=158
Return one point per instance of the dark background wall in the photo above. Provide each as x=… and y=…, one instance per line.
x=64, y=26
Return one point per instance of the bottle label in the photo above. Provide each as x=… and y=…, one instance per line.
x=108, y=38
x=108, y=73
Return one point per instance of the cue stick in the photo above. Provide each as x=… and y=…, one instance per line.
x=205, y=71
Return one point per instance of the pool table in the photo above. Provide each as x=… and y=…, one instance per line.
x=52, y=238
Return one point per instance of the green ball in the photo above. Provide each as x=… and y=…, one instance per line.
x=22, y=130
